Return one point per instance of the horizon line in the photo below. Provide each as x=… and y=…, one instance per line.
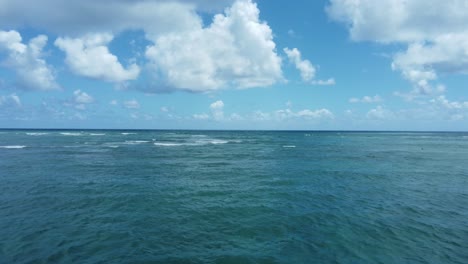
x=246, y=130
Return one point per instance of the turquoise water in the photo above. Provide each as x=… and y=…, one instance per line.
x=233, y=197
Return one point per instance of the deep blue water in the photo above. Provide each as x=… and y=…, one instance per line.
x=233, y=197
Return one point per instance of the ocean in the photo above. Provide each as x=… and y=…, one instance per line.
x=153, y=196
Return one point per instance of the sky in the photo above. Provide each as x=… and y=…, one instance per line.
x=234, y=64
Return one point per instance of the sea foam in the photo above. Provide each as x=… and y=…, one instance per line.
x=168, y=144
x=13, y=147
x=70, y=134
x=36, y=134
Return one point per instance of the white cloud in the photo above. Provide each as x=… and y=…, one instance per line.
x=217, y=110
x=78, y=17
x=27, y=61
x=164, y=109
x=366, y=99
x=114, y=102
x=304, y=114
x=450, y=105
x=235, y=50
x=201, y=116
x=380, y=113
x=305, y=67
x=260, y=116
x=434, y=31
x=317, y=114
x=235, y=117
x=89, y=56
x=82, y=97
x=330, y=81
x=10, y=100
x=399, y=20
x=131, y=104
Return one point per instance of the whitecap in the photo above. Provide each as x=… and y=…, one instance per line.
x=111, y=144
x=36, y=134
x=135, y=142
x=289, y=146
x=13, y=147
x=126, y=133
x=97, y=134
x=218, y=141
x=70, y=134
x=168, y=144
x=203, y=136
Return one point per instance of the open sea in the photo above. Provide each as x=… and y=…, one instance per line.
x=112, y=196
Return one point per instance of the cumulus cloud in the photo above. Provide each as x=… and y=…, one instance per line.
x=366, y=99
x=305, y=67
x=203, y=116
x=11, y=100
x=380, y=113
x=399, y=20
x=450, y=105
x=81, y=97
x=304, y=114
x=217, y=110
x=434, y=31
x=330, y=81
x=27, y=61
x=235, y=50
x=89, y=56
x=78, y=17
x=131, y=104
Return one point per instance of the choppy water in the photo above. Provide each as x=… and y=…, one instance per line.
x=233, y=197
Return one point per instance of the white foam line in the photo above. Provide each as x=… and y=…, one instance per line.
x=36, y=134
x=70, y=134
x=135, y=142
x=97, y=134
x=218, y=141
x=289, y=146
x=13, y=147
x=164, y=144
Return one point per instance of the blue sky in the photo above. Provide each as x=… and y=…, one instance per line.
x=198, y=64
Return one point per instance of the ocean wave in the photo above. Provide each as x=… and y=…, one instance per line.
x=13, y=147
x=135, y=142
x=111, y=146
x=71, y=134
x=212, y=141
x=127, y=133
x=97, y=134
x=191, y=143
x=36, y=134
x=198, y=136
x=168, y=144
x=289, y=146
